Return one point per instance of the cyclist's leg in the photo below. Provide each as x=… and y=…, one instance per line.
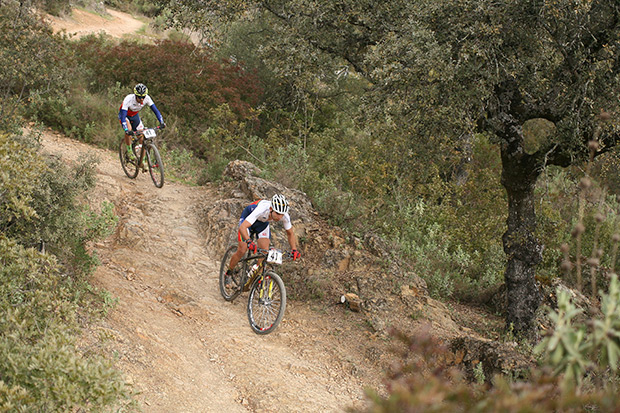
x=257, y=228
x=264, y=238
x=134, y=122
x=234, y=260
x=241, y=250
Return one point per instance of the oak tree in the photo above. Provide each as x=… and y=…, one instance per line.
x=450, y=68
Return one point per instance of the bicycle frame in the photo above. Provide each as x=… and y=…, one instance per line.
x=267, y=293
x=141, y=138
x=147, y=158
x=246, y=282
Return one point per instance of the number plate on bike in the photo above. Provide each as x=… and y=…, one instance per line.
x=149, y=133
x=274, y=257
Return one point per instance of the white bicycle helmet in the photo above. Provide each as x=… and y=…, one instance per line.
x=279, y=204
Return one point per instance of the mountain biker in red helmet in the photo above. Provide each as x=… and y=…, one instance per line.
x=255, y=219
x=132, y=104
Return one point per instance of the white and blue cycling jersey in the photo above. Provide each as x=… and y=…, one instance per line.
x=130, y=108
x=257, y=214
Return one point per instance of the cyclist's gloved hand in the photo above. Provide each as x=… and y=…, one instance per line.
x=251, y=245
x=296, y=254
x=128, y=132
x=162, y=125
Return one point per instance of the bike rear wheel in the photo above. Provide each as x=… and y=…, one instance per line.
x=156, y=167
x=266, y=303
x=231, y=291
x=130, y=167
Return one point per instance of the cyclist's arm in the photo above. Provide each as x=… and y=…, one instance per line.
x=244, y=230
x=157, y=113
x=292, y=238
x=124, y=110
x=122, y=117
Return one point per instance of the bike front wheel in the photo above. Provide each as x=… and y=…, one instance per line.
x=156, y=167
x=229, y=288
x=266, y=303
x=130, y=165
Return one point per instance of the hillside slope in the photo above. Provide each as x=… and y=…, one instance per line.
x=181, y=345
x=185, y=349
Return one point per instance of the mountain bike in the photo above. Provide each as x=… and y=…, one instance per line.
x=267, y=299
x=146, y=155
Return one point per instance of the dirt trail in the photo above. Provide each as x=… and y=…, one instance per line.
x=81, y=23
x=181, y=345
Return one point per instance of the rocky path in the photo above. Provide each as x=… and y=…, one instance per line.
x=180, y=344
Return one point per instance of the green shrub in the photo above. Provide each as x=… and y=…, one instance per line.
x=18, y=180
x=60, y=218
x=41, y=368
x=32, y=60
x=41, y=295
x=562, y=206
x=181, y=165
x=83, y=116
x=578, y=351
x=57, y=7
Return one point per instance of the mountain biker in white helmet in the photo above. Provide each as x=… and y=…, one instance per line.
x=128, y=113
x=255, y=219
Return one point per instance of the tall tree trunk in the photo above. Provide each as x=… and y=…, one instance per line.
x=523, y=251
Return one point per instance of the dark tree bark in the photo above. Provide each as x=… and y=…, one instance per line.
x=523, y=251
x=520, y=172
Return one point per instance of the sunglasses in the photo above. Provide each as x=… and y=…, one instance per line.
x=140, y=97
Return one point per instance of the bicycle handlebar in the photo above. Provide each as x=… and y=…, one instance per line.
x=263, y=253
x=154, y=128
x=140, y=131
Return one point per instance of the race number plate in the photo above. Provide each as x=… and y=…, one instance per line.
x=149, y=133
x=274, y=257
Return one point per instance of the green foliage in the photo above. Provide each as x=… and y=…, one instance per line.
x=182, y=165
x=479, y=373
x=558, y=214
x=576, y=350
x=35, y=57
x=17, y=180
x=56, y=7
x=143, y=7
x=605, y=168
x=40, y=366
x=566, y=349
x=56, y=216
x=424, y=241
x=83, y=116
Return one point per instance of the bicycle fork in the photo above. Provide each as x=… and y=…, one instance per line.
x=265, y=292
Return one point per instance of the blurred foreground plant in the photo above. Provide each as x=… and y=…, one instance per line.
x=424, y=380
x=580, y=351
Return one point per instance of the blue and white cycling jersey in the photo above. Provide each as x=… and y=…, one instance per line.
x=129, y=110
x=257, y=214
